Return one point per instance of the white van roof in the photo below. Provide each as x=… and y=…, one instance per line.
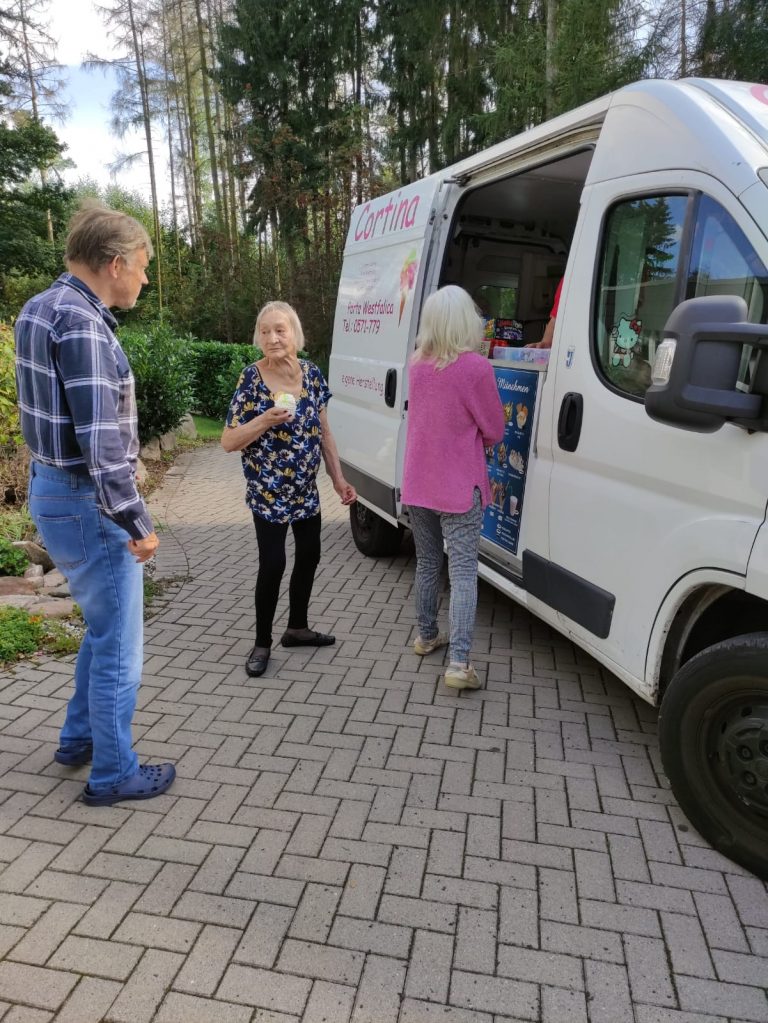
x=684, y=110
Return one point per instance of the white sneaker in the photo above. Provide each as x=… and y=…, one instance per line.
x=422, y=647
x=460, y=676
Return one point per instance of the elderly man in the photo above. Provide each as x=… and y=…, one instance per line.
x=78, y=417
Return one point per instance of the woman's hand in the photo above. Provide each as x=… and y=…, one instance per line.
x=275, y=417
x=346, y=491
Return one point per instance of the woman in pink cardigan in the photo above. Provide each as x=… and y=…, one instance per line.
x=454, y=412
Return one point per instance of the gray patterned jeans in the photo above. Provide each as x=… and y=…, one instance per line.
x=462, y=538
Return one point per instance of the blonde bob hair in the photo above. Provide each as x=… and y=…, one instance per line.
x=289, y=313
x=97, y=234
x=450, y=325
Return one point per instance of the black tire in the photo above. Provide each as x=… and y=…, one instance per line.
x=713, y=732
x=373, y=535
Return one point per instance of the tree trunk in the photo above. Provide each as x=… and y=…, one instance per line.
x=550, y=72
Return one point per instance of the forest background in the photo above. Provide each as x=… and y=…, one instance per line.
x=275, y=119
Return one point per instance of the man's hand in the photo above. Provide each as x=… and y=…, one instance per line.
x=144, y=549
x=346, y=491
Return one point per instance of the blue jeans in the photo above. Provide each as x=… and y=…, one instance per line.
x=461, y=533
x=107, y=582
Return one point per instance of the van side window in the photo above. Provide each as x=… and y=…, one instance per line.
x=724, y=263
x=641, y=255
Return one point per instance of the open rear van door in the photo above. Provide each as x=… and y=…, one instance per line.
x=377, y=311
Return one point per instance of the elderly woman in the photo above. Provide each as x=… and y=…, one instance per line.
x=277, y=420
x=454, y=413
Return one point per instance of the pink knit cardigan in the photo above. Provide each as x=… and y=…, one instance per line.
x=453, y=413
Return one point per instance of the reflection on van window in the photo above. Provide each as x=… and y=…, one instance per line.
x=496, y=301
x=640, y=260
x=724, y=263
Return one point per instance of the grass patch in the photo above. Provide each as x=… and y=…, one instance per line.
x=208, y=429
x=23, y=634
x=154, y=588
x=16, y=523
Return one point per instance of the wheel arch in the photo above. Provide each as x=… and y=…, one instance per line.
x=708, y=614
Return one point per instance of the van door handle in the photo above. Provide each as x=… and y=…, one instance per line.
x=390, y=387
x=569, y=422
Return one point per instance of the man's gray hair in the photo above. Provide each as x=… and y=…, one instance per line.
x=97, y=234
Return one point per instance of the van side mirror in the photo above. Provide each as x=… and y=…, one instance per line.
x=696, y=369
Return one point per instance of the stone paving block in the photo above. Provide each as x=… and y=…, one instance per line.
x=205, y=965
x=559, y=1005
x=736, y=968
x=369, y=936
x=314, y=917
x=89, y=1001
x=322, y=962
x=721, y=923
x=264, y=988
x=264, y=935
x=110, y=959
x=329, y=1002
x=213, y=909
x=146, y=987
x=648, y=968
x=417, y=913
x=476, y=931
x=70, y=887
x=416, y=1011
x=178, y=1007
x=49, y=931
x=380, y=991
x=157, y=932
x=687, y=945
x=216, y=871
x=166, y=888
x=495, y=994
x=23, y=1014
x=34, y=985
x=362, y=890
x=747, y=1003
x=750, y=898
x=545, y=968
x=591, y=942
x=281, y=891
x=607, y=992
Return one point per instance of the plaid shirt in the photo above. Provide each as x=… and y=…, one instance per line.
x=76, y=397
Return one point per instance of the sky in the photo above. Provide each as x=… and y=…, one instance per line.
x=79, y=30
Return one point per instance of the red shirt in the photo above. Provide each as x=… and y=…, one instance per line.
x=556, y=303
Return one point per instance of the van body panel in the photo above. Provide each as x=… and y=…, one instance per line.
x=757, y=571
x=377, y=312
x=641, y=504
x=661, y=125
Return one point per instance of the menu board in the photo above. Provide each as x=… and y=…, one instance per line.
x=508, y=460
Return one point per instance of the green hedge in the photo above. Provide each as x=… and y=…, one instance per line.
x=161, y=364
x=216, y=368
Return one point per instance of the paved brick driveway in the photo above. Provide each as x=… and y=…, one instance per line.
x=348, y=841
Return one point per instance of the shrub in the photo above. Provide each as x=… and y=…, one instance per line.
x=10, y=433
x=160, y=362
x=20, y=633
x=216, y=368
x=13, y=561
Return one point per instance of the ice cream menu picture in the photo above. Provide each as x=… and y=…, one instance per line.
x=508, y=460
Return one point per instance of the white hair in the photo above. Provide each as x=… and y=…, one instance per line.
x=450, y=325
x=290, y=314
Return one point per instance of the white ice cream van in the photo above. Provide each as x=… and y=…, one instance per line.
x=630, y=489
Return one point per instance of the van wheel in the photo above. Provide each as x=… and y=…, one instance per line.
x=713, y=732
x=373, y=535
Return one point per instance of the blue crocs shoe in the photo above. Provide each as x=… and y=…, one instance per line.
x=149, y=781
x=74, y=754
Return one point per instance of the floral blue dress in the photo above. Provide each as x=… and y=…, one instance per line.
x=281, y=466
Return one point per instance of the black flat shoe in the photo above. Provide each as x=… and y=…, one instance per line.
x=310, y=639
x=257, y=662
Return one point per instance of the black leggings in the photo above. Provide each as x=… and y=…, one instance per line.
x=271, y=537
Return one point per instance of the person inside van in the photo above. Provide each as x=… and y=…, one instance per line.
x=278, y=421
x=549, y=330
x=454, y=413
